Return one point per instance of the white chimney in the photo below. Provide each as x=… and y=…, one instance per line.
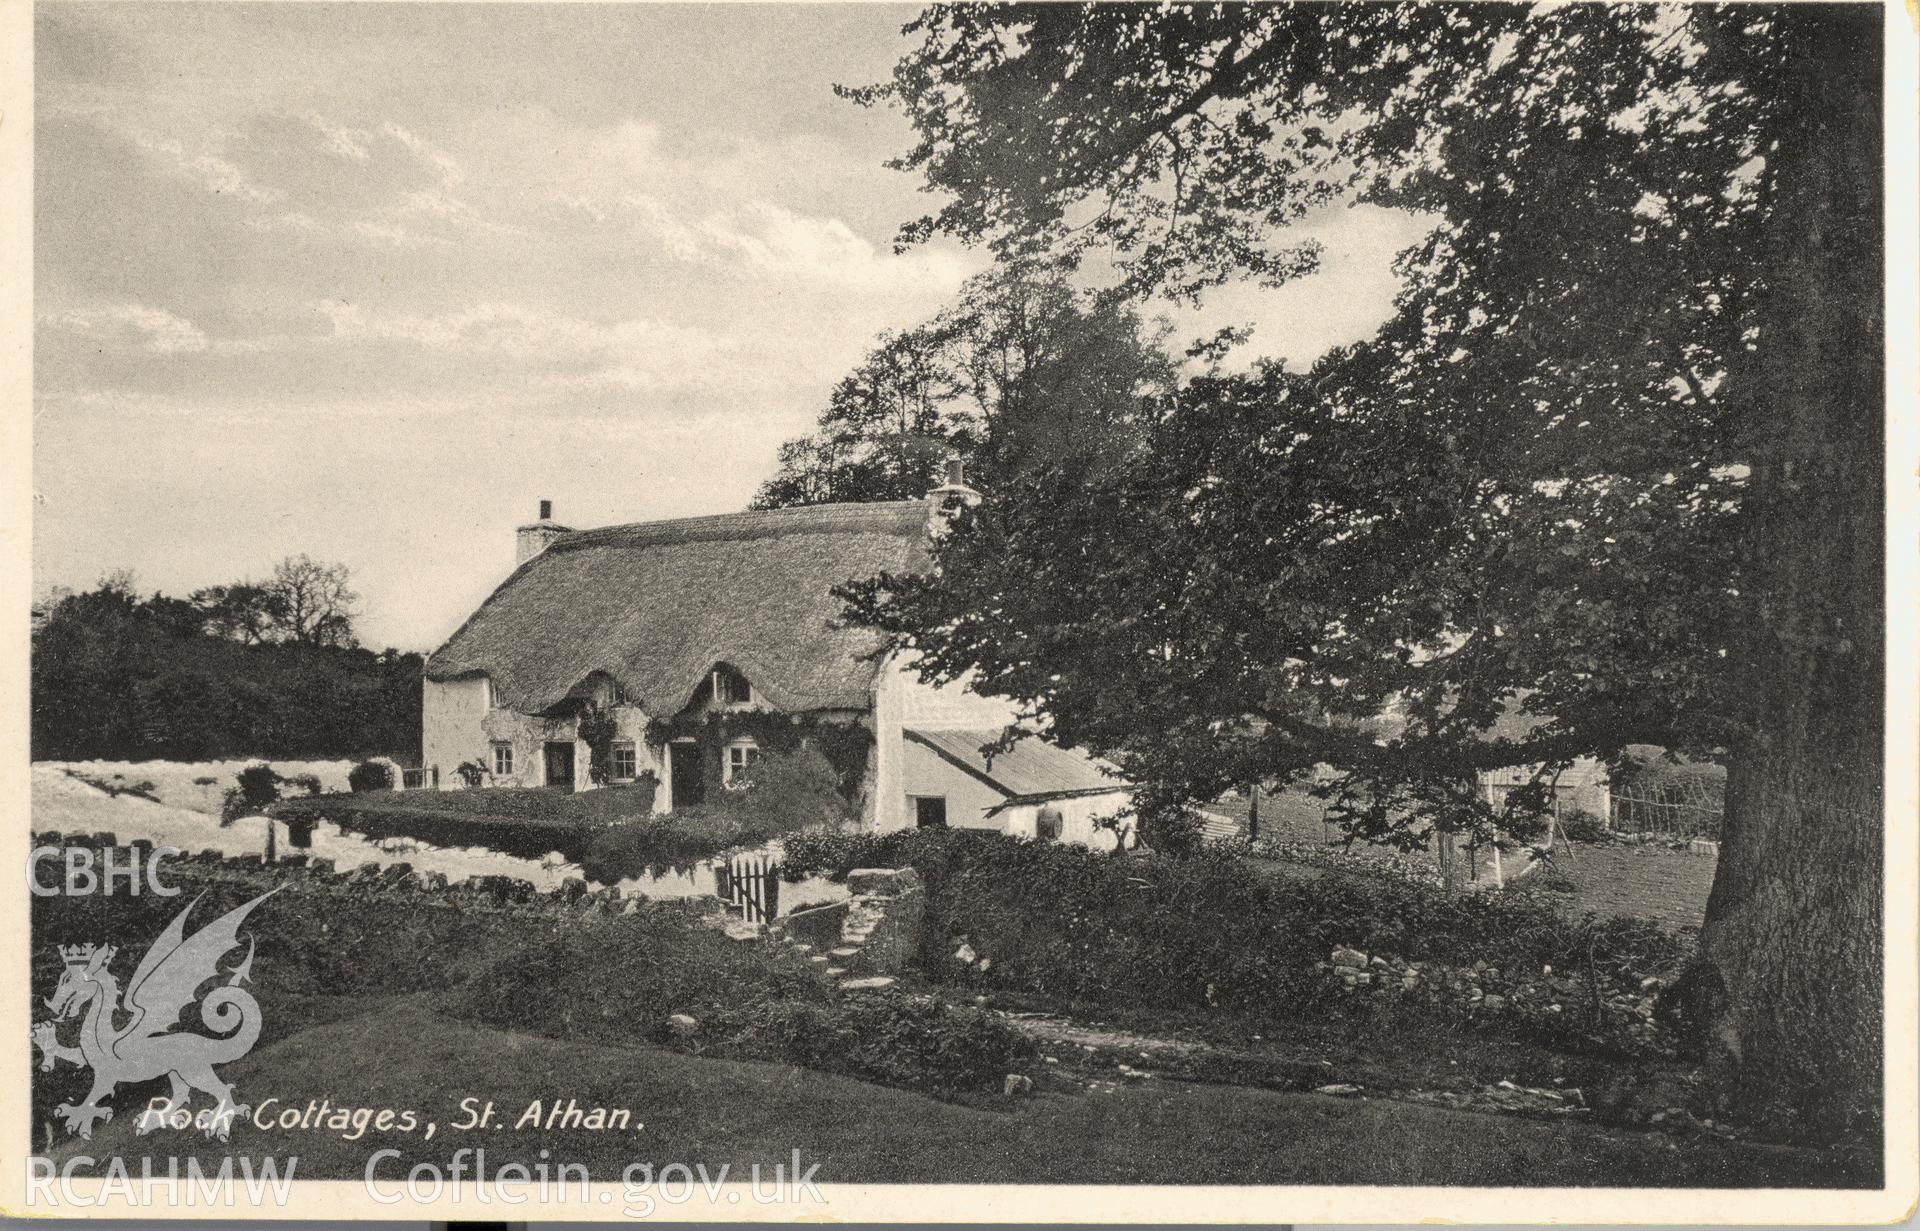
x=532, y=539
x=945, y=501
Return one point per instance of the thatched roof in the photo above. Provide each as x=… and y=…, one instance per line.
x=656, y=605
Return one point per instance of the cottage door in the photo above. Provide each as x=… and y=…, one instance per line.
x=560, y=764
x=684, y=772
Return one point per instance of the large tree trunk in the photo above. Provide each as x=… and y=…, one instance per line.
x=1787, y=988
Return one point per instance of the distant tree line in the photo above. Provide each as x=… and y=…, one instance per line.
x=266, y=668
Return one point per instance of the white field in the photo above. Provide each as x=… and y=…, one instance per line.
x=188, y=817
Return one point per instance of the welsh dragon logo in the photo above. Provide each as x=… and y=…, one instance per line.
x=149, y=1045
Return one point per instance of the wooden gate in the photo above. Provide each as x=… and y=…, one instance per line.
x=750, y=882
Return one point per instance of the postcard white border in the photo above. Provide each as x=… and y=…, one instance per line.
x=1029, y=1203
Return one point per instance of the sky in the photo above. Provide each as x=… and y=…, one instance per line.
x=369, y=281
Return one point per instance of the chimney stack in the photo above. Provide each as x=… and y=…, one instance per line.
x=533, y=538
x=945, y=501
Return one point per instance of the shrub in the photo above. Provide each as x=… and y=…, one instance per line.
x=472, y=773
x=676, y=840
x=1171, y=831
x=1583, y=826
x=641, y=793
x=258, y=786
x=597, y=731
x=310, y=783
x=370, y=776
x=783, y=793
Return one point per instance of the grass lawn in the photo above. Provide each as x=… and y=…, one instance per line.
x=1647, y=882
x=694, y=1109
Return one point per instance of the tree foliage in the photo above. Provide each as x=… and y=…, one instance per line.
x=312, y=603
x=118, y=677
x=306, y=601
x=1614, y=462
x=1021, y=365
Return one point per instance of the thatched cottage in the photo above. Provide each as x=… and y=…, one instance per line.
x=675, y=653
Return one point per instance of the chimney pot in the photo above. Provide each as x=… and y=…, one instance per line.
x=945, y=501
x=532, y=539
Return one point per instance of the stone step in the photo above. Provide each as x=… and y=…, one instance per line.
x=798, y=947
x=817, y=960
x=875, y=983
x=834, y=972
x=844, y=951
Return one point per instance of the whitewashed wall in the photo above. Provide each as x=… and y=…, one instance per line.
x=1077, y=814
x=901, y=700
x=457, y=726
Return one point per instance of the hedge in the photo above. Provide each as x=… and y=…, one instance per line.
x=524, y=822
x=1147, y=931
x=611, y=831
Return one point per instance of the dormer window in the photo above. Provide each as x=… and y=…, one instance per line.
x=729, y=687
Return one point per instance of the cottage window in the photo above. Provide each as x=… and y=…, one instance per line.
x=503, y=760
x=624, y=764
x=741, y=754
x=930, y=811
x=730, y=687
x=1049, y=825
x=486, y=690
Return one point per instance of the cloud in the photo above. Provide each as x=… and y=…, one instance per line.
x=154, y=330
x=326, y=168
x=638, y=352
x=760, y=239
x=302, y=171
x=212, y=172
x=450, y=171
x=770, y=239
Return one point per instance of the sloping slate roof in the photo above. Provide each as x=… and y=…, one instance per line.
x=1030, y=768
x=656, y=604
